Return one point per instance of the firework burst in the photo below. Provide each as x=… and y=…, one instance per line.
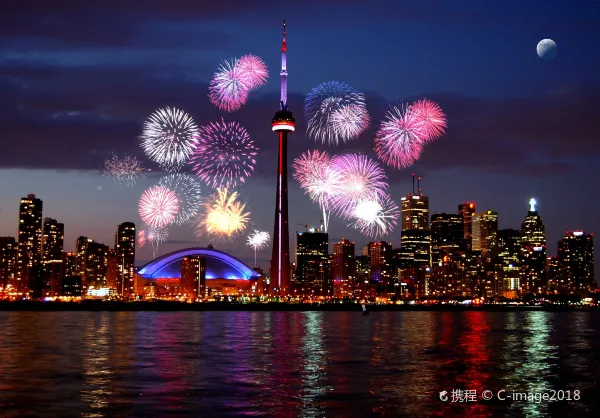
x=158, y=206
x=258, y=240
x=224, y=217
x=125, y=170
x=254, y=70
x=361, y=179
x=430, y=117
x=399, y=141
x=188, y=192
x=152, y=235
x=168, y=138
x=335, y=113
x=225, y=155
x=375, y=218
x=229, y=87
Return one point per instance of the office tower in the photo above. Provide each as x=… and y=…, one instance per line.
x=125, y=240
x=446, y=235
x=344, y=267
x=576, y=261
x=415, y=209
x=8, y=261
x=283, y=122
x=81, y=245
x=509, y=248
x=53, y=237
x=380, y=262
x=70, y=266
x=415, y=248
x=466, y=210
x=484, y=226
x=313, y=268
x=193, y=277
x=96, y=265
x=553, y=276
x=29, y=240
x=112, y=270
x=533, y=252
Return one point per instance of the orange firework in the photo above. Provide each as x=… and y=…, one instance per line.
x=224, y=217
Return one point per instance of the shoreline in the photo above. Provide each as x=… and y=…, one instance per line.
x=167, y=306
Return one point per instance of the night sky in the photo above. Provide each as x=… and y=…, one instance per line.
x=77, y=80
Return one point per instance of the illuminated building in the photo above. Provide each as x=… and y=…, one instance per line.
x=283, y=123
x=8, y=261
x=415, y=209
x=313, y=266
x=80, y=249
x=509, y=248
x=576, y=261
x=53, y=237
x=380, y=262
x=557, y=283
x=70, y=266
x=446, y=235
x=533, y=252
x=466, y=210
x=29, y=241
x=415, y=248
x=96, y=265
x=484, y=227
x=193, y=277
x=112, y=270
x=125, y=240
x=344, y=267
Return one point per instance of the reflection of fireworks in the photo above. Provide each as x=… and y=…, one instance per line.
x=254, y=70
x=158, y=206
x=335, y=112
x=361, y=178
x=225, y=154
x=224, y=216
x=258, y=240
x=431, y=118
x=375, y=218
x=228, y=89
x=168, y=137
x=399, y=140
x=188, y=192
x=126, y=170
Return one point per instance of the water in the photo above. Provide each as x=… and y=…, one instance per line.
x=294, y=364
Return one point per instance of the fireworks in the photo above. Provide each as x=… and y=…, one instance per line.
x=225, y=155
x=188, y=192
x=126, y=170
x=254, y=70
x=229, y=87
x=168, y=138
x=224, y=216
x=399, y=140
x=431, y=118
x=375, y=218
x=361, y=179
x=257, y=240
x=158, y=206
x=335, y=113
x=152, y=235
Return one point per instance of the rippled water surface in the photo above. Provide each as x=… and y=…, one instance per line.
x=288, y=364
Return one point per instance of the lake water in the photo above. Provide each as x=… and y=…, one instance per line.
x=297, y=364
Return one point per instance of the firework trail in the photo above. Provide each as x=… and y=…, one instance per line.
x=225, y=155
x=375, y=218
x=431, y=118
x=168, y=138
x=188, y=192
x=152, y=235
x=229, y=87
x=399, y=141
x=158, y=206
x=224, y=217
x=125, y=170
x=361, y=179
x=254, y=70
x=318, y=179
x=335, y=113
x=258, y=240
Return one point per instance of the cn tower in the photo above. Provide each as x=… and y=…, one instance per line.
x=283, y=122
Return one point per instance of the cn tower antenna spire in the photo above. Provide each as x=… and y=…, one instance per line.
x=283, y=72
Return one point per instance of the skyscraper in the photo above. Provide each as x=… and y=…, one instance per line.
x=283, y=122
x=415, y=209
x=576, y=261
x=446, y=234
x=8, y=261
x=313, y=267
x=467, y=210
x=53, y=238
x=533, y=252
x=509, y=247
x=193, y=276
x=380, y=262
x=125, y=240
x=30, y=240
x=485, y=233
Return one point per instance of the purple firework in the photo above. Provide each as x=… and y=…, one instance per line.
x=228, y=89
x=225, y=154
x=431, y=118
x=399, y=141
x=255, y=71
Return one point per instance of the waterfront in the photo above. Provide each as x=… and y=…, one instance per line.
x=309, y=364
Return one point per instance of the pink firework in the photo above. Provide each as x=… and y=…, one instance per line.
x=255, y=71
x=228, y=89
x=158, y=206
x=431, y=118
x=399, y=141
x=316, y=176
x=361, y=179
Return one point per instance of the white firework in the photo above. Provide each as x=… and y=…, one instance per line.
x=375, y=218
x=349, y=121
x=126, y=170
x=188, y=191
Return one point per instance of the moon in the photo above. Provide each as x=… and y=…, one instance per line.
x=546, y=49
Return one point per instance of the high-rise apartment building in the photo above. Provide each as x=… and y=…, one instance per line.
x=533, y=252
x=29, y=240
x=466, y=210
x=415, y=209
x=446, y=234
x=313, y=267
x=344, y=267
x=484, y=227
x=96, y=265
x=509, y=248
x=193, y=277
x=380, y=262
x=125, y=240
x=53, y=237
x=576, y=261
x=8, y=261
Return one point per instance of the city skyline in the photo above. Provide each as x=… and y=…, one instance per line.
x=505, y=142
